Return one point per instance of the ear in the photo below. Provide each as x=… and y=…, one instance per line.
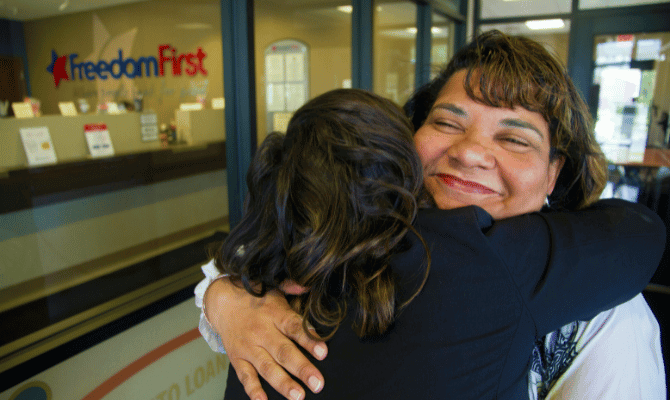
x=553, y=171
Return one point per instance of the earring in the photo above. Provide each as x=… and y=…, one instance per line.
x=546, y=201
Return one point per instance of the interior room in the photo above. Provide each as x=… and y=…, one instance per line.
x=127, y=128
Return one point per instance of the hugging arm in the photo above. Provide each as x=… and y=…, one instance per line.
x=585, y=262
x=258, y=335
x=257, y=332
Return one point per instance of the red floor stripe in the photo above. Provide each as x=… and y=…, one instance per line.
x=141, y=363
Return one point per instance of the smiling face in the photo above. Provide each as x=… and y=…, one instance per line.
x=495, y=158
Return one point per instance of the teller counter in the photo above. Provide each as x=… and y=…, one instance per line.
x=196, y=127
x=87, y=241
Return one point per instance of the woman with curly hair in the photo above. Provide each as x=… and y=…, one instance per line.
x=423, y=302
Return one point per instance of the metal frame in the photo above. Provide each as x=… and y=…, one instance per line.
x=239, y=88
x=423, y=44
x=587, y=24
x=361, y=44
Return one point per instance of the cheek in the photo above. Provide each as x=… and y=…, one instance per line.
x=420, y=142
x=527, y=188
x=429, y=146
x=433, y=188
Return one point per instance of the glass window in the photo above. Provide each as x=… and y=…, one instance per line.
x=518, y=8
x=312, y=43
x=394, y=47
x=286, y=84
x=442, y=43
x=588, y=4
x=630, y=82
x=115, y=181
x=555, y=38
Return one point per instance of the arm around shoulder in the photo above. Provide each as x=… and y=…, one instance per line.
x=584, y=262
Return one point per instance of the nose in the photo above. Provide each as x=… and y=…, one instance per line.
x=470, y=152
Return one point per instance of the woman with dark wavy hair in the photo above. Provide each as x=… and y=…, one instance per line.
x=328, y=205
x=418, y=302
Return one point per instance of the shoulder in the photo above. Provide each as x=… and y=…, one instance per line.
x=436, y=220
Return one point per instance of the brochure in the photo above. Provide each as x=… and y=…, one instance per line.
x=98, y=140
x=38, y=146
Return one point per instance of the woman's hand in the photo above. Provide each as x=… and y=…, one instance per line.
x=257, y=333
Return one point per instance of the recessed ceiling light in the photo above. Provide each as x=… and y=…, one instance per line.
x=545, y=24
x=345, y=9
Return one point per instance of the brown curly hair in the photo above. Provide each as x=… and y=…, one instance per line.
x=508, y=71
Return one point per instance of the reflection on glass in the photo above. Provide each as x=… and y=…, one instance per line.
x=325, y=63
x=587, y=4
x=296, y=96
x=442, y=43
x=274, y=68
x=394, y=49
x=511, y=8
x=630, y=81
x=106, y=35
x=286, y=89
x=275, y=97
x=555, y=40
x=82, y=237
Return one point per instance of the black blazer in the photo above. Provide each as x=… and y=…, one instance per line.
x=494, y=287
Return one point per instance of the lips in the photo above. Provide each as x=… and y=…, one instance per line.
x=463, y=185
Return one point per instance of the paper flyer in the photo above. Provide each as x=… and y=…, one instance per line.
x=22, y=110
x=67, y=108
x=98, y=140
x=38, y=146
x=149, y=126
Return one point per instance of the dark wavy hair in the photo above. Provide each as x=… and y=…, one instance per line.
x=508, y=71
x=328, y=205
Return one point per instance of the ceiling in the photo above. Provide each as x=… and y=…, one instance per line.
x=23, y=10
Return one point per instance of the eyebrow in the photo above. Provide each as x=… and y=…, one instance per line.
x=508, y=122
x=517, y=123
x=450, y=107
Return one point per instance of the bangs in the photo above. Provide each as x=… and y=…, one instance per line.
x=508, y=75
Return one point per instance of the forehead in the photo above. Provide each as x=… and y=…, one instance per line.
x=496, y=92
x=454, y=90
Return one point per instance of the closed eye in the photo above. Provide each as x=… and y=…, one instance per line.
x=446, y=124
x=516, y=141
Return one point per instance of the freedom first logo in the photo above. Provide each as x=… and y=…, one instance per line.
x=190, y=63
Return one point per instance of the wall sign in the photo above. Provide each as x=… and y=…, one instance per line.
x=177, y=63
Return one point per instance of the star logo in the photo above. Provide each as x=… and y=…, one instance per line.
x=57, y=68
